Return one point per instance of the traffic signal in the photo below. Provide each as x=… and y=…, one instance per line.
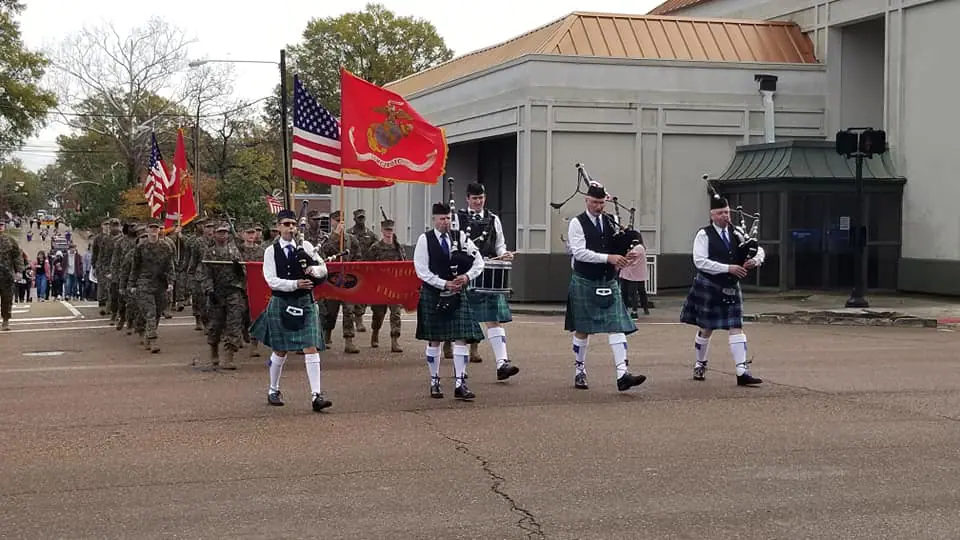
x=847, y=142
x=873, y=141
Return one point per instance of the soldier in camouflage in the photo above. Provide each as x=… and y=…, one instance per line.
x=386, y=249
x=98, y=266
x=124, y=244
x=104, y=276
x=201, y=242
x=366, y=238
x=331, y=308
x=153, y=273
x=223, y=285
x=181, y=286
x=165, y=237
x=250, y=251
x=129, y=300
x=11, y=265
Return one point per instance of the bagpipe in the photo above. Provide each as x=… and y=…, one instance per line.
x=624, y=238
x=748, y=239
x=304, y=258
x=461, y=259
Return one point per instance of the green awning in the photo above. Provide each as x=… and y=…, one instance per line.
x=803, y=160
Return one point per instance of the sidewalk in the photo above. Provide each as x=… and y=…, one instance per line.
x=803, y=307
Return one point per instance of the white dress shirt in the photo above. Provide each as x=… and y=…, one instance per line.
x=421, y=259
x=289, y=285
x=501, y=245
x=701, y=252
x=578, y=242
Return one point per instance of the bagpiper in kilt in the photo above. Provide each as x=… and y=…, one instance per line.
x=444, y=312
x=492, y=310
x=594, y=303
x=715, y=300
x=290, y=322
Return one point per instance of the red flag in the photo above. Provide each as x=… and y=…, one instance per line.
x=384, y=137
x=369, y=283
x=181, y=208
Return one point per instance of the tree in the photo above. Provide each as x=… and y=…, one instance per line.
x=23, y=105
x=122, y=87
x=20, y=192
x=375, y=44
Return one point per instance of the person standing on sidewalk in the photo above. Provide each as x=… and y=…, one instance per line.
x=633, y=281
x=11, y=265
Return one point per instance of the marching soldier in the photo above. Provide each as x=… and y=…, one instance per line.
x=11, y=264
x=223, y=285
x=250, y=251
x=153, y=270
x=201, y=242
x=132, y=315
x=332, y=307
x=366, y=238
x=98, y=264
x=124, y=245
x=385, y=249
x=104, y=275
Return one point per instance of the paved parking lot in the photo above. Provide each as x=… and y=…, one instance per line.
x=854, y=435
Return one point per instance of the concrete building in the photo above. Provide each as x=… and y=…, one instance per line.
x=651, y=103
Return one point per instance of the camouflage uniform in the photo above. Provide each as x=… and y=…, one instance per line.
x=96, y=261
x=152, y=271
x=381, y=251
x=122, y=246
x=134, y=317
x=365, y=237
x=223, y=285
x=107, y=251
x=11, y=264
x=250, y=253
x=331, y=308
x=181, y=285
x=168, y=296
x=199, y=244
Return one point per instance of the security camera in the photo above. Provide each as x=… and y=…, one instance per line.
x=705, y=177
x=766, y=82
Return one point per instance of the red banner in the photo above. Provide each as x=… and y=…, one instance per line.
x=383, y=136
x=181, y=208
x=370, y=283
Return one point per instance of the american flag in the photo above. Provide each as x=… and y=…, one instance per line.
x=316, y=144
x=155, y=185
x=274, y=205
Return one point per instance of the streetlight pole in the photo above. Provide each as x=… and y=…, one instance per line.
x=287, y=187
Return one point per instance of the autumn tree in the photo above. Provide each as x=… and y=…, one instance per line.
x=20, y=192
x=23, y=104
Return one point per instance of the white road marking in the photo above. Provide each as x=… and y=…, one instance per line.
x=42, y=320
x=72, y=309
x=68, y=328
x=87, y=368
x=43, y=353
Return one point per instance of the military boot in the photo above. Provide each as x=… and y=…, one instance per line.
x=254, y=351
x=211, y=362
x=151, y=345
x=228, y=360
x=198, y=324
x=349, y=347
x=358, y=324
x=328, y=336
x=5, y=325
x=395, y=344
x=374, y=337
x=474, y=355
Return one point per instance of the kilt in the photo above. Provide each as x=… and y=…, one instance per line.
x=586, y=314
x=707, y=307
x=434, y=326
x=489, y=307
x=270, y=331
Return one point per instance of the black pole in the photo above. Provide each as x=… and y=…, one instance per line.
x=857, y=299
x=283, y=129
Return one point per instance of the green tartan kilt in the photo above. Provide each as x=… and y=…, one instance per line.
x=587, y=313
x=435, y=326
x=269, y=330
x=489, y=307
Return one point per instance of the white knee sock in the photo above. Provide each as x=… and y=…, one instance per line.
x=618, y=342
x=276, y=367
x=580, y=353
x=461, y=355
x=738, y=348
x=312, y=361
x=433, y=362
x=700, y=345
x=498, y=340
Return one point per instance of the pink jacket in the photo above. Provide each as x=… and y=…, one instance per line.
x=637, y=270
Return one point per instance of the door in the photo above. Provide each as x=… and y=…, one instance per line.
x=819, y=231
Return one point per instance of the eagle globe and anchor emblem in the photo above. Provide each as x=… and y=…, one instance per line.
x=397, y=125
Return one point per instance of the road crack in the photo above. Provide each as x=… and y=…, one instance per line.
x=526, y=521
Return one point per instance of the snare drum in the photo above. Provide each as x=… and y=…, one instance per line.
x=495, y=278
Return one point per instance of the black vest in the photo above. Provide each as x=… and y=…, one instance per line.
x=474, y=227
x=439, y=261
x=288, y=268
x=718, y=251
x=596, y=242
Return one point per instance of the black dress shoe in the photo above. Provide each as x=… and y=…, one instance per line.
x=435, y=391
x=320, y=403
x=463, y=393
x=580, y=381
x=700, y=373
x=275, y=398
x=628, y=381
x=506, y=371
x=747, y=380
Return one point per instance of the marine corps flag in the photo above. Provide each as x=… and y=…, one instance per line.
x=384, y=137
x=181, y=208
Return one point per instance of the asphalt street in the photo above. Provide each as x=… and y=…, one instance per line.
x=854, y=434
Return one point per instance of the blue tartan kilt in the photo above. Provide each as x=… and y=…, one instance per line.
x=592, y=314
x=269, y=329
x=708, y=307
x=489, y=307
x=435, y=326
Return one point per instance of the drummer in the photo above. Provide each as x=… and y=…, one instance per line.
x=490, y=310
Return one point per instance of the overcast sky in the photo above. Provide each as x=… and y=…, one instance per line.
x=228, y=29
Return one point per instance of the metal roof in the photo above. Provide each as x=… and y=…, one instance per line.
x=802, y=160
x=671, y=6
x=634, y=37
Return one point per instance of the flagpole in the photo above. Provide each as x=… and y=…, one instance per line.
x=343, y=211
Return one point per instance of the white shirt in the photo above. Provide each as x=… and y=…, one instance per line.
x=577, y=242
x=421, y=259
x=701, y=251
x=501, y=246
x=289, y=285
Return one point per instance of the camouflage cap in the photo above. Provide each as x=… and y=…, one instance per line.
x=105, y=221
x=359, y=212
x=248, y=226
x=200, y=221
x=223, y=226
x=335, y=215
x=387, y=224
x=154, y=224
x=209, y=223
x=114, y=221
x=312, y=214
